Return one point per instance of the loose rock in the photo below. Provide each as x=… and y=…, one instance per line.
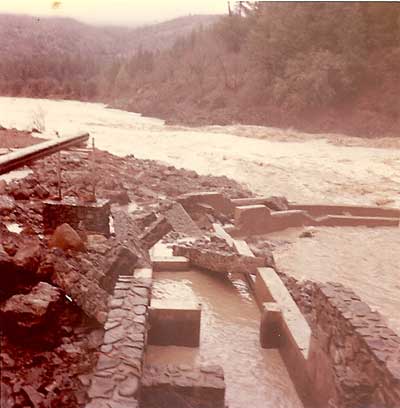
x=65, y=237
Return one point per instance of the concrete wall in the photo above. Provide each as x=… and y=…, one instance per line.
x=294, y=334
x=258, y=219
x=320, y=210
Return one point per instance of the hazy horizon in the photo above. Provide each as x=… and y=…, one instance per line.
x=120, y=12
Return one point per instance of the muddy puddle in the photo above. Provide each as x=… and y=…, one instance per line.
x=255, y=377
x=364, y=259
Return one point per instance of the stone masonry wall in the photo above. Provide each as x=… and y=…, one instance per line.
x=183, y=386
x=94, y=216
x=116, y=380
x=363, y=353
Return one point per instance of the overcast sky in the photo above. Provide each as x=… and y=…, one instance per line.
x=115, y=11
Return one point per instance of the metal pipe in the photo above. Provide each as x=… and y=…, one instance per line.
x=26, y=155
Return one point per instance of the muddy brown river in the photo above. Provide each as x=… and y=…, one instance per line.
x=312, y=170
x=366, y=259
x=306, y=171
x=229, y=336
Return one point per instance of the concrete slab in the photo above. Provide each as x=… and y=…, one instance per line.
x=240, y=245
x=174, y=323
x=221, y=233
x=271, y=325
x=216, y=200
x=242, y=248
x=252, y=219
x=181, y=221
x=296, y=331
x=162, y=259
x=174, y=263
x=281, y=220
x=319, y=210
x=160, y=249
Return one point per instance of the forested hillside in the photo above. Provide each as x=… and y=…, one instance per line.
x=314, y=66
x=61, y=57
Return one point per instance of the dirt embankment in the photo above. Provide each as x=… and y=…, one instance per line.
x=13, y=138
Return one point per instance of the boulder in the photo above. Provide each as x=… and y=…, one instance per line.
x=7, y=204
x=34, y=309
x=65, y=237
x=28, y=257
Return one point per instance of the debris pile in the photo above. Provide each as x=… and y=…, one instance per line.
x=56, y=285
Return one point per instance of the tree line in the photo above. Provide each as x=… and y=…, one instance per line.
x=317, y=66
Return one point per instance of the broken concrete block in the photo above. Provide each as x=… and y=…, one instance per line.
x=251, y=218
x=181, y=221
x=258, y=219
x=216, y=200
x=219, y=261
x=155, y=232
x=128, y=234
x=174, y=323
x=121, y=261
x=275, y=203
x=270, y=325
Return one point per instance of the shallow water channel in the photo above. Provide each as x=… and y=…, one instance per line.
x=229, y=332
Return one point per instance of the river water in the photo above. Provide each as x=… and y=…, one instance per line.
x=310, y=171
x=229, y=332
x=365, y=259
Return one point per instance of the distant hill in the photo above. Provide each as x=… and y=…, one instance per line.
x=22, y=35
x=329, y=67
